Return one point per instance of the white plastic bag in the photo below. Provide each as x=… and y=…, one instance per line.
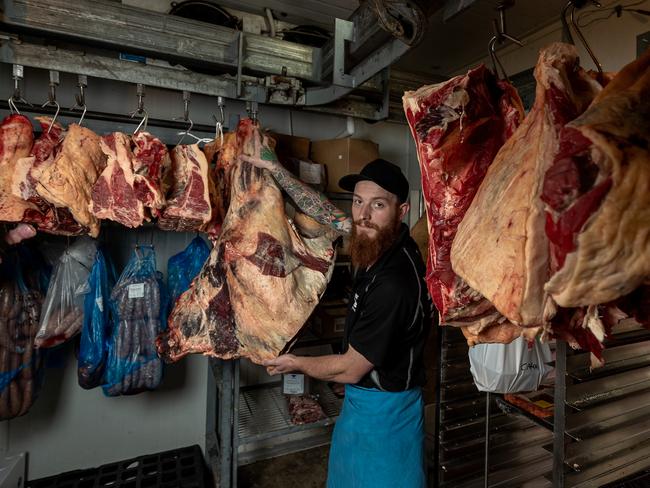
x=63, y=308
x=510, y=368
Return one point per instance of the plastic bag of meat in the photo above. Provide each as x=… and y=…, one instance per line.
x=62, y=313
x=20, y=306
x=138, y=305
x=183, y=267
x=96, y=323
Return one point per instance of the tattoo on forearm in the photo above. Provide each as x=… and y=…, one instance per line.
x=311, y=202
x=267, y=154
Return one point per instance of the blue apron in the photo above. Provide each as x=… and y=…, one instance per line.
x=378, y=440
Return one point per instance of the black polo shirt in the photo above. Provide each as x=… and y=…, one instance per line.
x=389, y=317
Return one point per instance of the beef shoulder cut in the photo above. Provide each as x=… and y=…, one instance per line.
x=598, y=195
x=67, y=182
x=501, y=249
x=458, y=127
x=262, y=279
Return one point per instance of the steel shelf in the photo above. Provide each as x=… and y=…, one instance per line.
x=263, y=412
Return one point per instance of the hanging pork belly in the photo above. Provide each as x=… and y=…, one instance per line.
x=262, y=279
x=67, y=182
x=47, y=217
x=16, y=141
x=501, y=249
x=458, y=127
x=188, y=202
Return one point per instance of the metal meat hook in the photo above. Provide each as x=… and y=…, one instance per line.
x=571, y=6
x=80, y=98
x=140, y=110
x=17, y=75
x=186, y=116
x=51, y=97
x=500, y=36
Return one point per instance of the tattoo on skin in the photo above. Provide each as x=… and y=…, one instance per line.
x=267, y=154
x=310, y=201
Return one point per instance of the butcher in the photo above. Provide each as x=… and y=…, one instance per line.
x=378, y=440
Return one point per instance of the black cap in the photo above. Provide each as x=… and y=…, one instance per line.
x=385, y=174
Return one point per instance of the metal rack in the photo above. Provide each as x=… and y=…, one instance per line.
x=517, y=457
x=601, y=426
x=249, y=423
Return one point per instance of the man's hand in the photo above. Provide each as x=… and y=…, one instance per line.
x=287, y=363
x=20, y=233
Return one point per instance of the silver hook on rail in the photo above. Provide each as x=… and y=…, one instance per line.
x=51, y=97
x=185, y=117
x=17, y=75
x=80, y=98
x=570, y=8
x=220, y=119
x=500, y=36
x=140, y=110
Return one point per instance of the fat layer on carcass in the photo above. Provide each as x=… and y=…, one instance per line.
x=262, y=279
x=501, y=249
x=68, y=181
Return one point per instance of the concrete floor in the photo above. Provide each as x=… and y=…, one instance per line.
x=305, y=469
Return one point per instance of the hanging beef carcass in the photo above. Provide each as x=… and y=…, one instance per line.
x=47, y=217
x=458, y=127
x=188, y=204
x=501, y=248
x=262, y=279
x=16, y=141
x=597, y=195
x=67, y=182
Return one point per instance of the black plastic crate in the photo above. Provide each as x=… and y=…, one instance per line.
x=179, y=468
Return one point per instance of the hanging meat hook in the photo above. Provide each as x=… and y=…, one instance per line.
x=51, y=97
x=186, y=117
x=80, y=98
x=140, y=110
x=570, y=8
x=219, y=120
x=17, y=75
x=500, y=36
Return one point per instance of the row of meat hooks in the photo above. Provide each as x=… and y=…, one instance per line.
x=140, y=111
x=500, y=34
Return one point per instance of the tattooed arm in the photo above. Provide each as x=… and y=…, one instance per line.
x=308, y=200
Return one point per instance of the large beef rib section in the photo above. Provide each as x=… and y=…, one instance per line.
x=188, y=202
x=458, y=127
x=598, y=195
x=113, y=195
x=501, y=249
x=262, y=279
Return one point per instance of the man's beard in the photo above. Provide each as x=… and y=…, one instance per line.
x=366, y=250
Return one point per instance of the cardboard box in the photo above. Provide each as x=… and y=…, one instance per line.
x=291, y=146
x=329, y=321
x=343, y=157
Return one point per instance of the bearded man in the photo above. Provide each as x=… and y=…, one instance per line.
x=378, y=440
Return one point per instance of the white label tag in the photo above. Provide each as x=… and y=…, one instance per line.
x=136, y=290
x=310, y=173
x=100, y=303
x=293, y=384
